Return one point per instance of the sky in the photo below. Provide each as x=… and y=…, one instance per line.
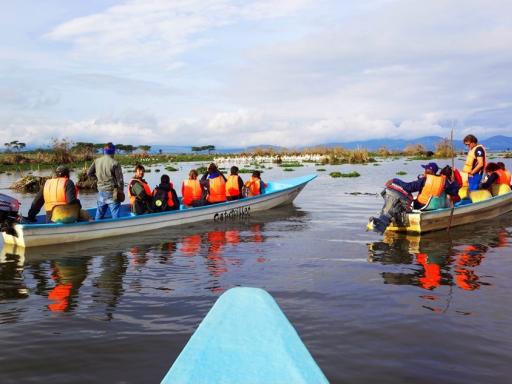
x=234, y=73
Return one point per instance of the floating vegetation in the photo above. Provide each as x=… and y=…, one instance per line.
x=361, y=193
x=321, y=170
x=400, y=173
x=85, y=183
x=376, y=165
x=507, y=155
x=246, y=170
x=172, y=169
x=200, y=170
x=157, y=170
x=29, y=184
x=339, y=174
x=291, y=164
x=288, y=169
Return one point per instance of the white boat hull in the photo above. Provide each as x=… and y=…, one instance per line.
x=428, y=221
x=32, y=235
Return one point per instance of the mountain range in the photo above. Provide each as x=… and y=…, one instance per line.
x=494, y=143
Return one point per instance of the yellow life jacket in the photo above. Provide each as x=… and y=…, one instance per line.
x=470, y=159
x=434, y=186
x=54, y=193
x=479, y=195
x=232, y=188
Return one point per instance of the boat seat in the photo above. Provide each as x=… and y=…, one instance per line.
x=435, y=202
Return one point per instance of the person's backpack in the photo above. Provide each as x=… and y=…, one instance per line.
x=160, y=198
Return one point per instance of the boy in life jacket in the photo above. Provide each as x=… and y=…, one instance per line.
x=164, y=196
x=428, y=185
x=234, y=185
x=139, y=192
x=58, y=191
x=475, y=162
x=215, y=184
x=192, y=192
x=255, y=186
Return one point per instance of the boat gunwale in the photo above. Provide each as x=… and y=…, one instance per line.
x=304, y=180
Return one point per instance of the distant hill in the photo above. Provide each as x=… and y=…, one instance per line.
x=494, y=143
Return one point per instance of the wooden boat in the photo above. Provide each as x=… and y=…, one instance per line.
x=245, y=338
x=42, y=233
x=439, y=219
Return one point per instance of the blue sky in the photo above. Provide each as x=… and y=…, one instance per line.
x=236, y=73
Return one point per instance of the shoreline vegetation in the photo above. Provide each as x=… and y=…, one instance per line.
x=80, y=155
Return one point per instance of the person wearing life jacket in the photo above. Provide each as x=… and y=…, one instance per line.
x=215, y=184
x=255, y=186
x=234, y=185
x=139, y=192
x=494, y=178
x=428, y=185
x=164, y=196
x=192, y=192
x=475, y=162
x=505, y=173
x=59, y=190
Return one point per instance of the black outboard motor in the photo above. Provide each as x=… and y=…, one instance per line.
x=9, y=209
x=397, y=203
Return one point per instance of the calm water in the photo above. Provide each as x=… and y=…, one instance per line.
x=370, y=309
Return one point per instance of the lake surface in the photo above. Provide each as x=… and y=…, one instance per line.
x=369, y=308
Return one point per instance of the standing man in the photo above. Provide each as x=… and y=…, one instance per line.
x=109, y=175
x=475, y=163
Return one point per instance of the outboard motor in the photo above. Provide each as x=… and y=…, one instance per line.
x=9, y=209
x=397, y=203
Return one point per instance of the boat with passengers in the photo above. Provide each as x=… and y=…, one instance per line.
x=40, y=233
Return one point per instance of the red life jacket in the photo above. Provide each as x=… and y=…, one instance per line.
x=191, y=191
x=147, y=189
x=217, y=190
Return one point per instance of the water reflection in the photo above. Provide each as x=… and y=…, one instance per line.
x=451, y=259
x=58, y=276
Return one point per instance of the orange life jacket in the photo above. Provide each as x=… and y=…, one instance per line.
x=54, y=193
x=191, y=190
x=504, y=177
x=468, y=167
x=217, y=191
x=232, y=188
x=143, y=183
x=434, y=186
x=254, y=186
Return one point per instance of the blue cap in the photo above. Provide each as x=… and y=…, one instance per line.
x=109, y=149
x=432, y=166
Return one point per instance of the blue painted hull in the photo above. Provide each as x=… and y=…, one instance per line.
x=245, y=338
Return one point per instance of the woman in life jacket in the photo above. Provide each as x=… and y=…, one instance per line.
x=193, y=194
x=164, y=196
x=255, y=186
x=215, y=183
x=495, y=180
x=234, y=185
x=139, y=192
x=58, y=191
